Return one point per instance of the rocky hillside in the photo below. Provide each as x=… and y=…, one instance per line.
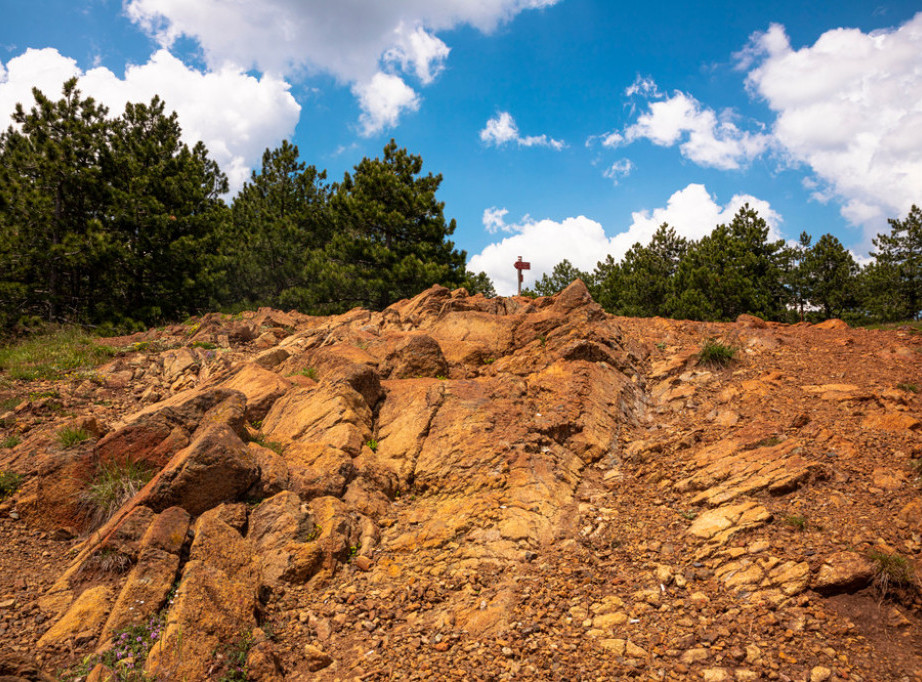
x=472, y=489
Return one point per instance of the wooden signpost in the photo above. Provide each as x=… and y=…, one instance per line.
x=519, y=266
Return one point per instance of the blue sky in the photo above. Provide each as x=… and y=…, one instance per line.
x=563, y=128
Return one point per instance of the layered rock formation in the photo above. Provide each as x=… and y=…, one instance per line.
x=471, y=488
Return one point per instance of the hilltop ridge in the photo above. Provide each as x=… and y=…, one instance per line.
x=459, y=487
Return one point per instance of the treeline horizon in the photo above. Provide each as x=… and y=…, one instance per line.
x=737, y=270
x=116, y=224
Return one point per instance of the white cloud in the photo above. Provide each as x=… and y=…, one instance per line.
x=418, y=51
x=849, y=107
x=494, y=220
x=502, y=129
x=705, y=137
x=543, y=243
x=618, y=170
x=383, y=99
x=351, y=40
x=691, y=211
x=236, y=115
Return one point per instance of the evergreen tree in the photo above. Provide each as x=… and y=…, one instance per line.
x=166, y=214
x=563, y=274
x=893, y=283
x=52, y=199
x=733, y=270
x=831, y=277
x=389, y=242
x=279, y=218
x=648, y=272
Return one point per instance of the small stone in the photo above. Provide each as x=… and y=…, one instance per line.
x=363, y=563
x=507, y=652
x=7, y=604
x=316, y=658
x=715, y=675
x=820, y=674
x=694, y=656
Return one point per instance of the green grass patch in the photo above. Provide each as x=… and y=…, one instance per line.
x=9, y=483
x=716, y=353
x=207, y=345
x=10, y=403
x=309, y=372
x=908, y=387
x=913, y=325
x=263, y=440
x=796, y=521
x=52, y=356
x=113, y=485
x=891, y=572
x=372, y=445
x=69, y=436
x=10, y=442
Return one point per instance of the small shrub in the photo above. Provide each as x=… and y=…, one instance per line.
x=69, y=436
x=207, y=345
x=441, y=377
x=309, y=372
x=488, y=361
x=114, y=484
x=769, y=442
x=542, y=339
x=372, y=445
x=661, y=345
x=908, y=387
x=891, y=572
x=9, y=483
x=796, y=521
x=354, y=551
x=10, y=442
x=716, y=354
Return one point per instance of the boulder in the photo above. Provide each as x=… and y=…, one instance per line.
x=215, y=468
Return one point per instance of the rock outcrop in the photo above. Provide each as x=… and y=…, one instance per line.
x=481, y=489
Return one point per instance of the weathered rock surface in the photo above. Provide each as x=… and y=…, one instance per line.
x=469, y=488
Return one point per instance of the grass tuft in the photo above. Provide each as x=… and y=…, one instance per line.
x=891, y=572
x=908, y=387
x=114, y=484
x=372, y=445
x=69, y=436
x=716, y=354
x=52, y=356
x=10, y=442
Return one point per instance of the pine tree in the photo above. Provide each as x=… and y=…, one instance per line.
x=279, y=218
x=390, y=240
x=894, y=280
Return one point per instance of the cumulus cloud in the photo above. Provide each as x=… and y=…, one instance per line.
x=704, y=136
x=691, y=211
x=383, y=99
x=236, y=115
x=849, y=108
x=543, y=243
x=502, y=130
x=351, y=40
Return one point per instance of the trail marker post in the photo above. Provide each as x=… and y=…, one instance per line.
x=520, y=265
